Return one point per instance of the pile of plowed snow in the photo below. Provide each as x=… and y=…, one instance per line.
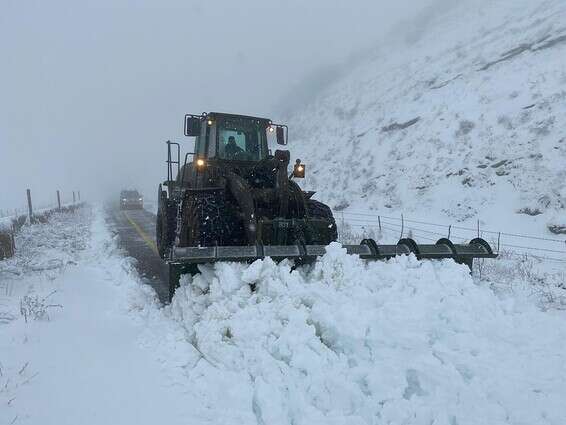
x=347, y=342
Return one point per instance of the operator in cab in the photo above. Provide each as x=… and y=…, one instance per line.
x=232, y=149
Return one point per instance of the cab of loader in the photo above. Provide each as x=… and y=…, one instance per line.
x=221, y=136
x=232, y=191
x=230, y=137
x=228, y=142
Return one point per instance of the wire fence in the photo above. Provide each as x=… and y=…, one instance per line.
x=12, y=221
x=59, y=199
x=513, y=243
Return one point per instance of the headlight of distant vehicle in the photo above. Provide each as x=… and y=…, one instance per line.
x=124, y=199
x=141, y=199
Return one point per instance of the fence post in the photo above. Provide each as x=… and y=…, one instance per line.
x=59, y=200
x=6, y=245
x=73, y=196
x=79, y=193
x=30, y=210
x=13, y=234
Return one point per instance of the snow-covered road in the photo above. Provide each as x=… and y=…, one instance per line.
x=343, y=342
x=136, y=235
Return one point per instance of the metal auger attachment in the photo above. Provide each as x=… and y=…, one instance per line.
x=368, y=249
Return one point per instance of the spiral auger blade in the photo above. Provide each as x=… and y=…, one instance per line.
x=368, y=249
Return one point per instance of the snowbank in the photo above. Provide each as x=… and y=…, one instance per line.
x=348, y=342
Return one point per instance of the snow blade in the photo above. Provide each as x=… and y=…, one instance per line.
x=367, y=250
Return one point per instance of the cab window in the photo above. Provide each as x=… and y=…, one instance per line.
x=241, y=139
x=212, y=142
x=200, y=141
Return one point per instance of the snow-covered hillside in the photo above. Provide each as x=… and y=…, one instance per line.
x=465, y=122
x=344, y=342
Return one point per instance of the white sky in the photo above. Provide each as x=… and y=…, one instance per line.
x=89, y=90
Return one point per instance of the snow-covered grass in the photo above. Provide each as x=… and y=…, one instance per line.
x=43, y=251
x=8, y=219
x=29, y=285
x=82, y=361
x=529, y=274
x=340, y=342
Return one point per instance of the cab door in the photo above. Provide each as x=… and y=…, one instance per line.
x=204, y=145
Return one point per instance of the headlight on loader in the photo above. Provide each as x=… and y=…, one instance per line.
x=299, y=170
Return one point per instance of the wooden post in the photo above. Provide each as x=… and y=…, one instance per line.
x=79, y=193
x=6, y=245
x=30, y=210
x=59, y=200
x=73, y=196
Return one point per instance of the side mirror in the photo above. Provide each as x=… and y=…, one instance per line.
x=192, y=125
x=299, y=170
x=280, y=133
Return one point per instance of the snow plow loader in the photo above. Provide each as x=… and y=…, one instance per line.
x=236, y=201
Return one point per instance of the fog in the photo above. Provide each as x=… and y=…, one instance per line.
x=90, y=90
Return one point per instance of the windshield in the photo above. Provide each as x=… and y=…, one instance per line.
x=241, y=139
x=130, y=194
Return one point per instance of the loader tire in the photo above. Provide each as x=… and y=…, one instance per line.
x=318, y=210
x=165, y=225
x=210, y=220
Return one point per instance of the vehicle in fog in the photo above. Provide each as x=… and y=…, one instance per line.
x=131, y=199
